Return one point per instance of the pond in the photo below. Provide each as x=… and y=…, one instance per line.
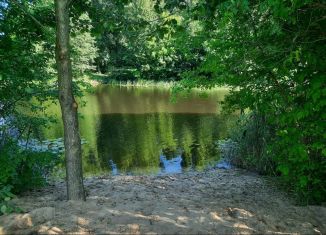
x=132, y=130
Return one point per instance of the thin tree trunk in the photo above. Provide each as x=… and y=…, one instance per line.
x=75, y=188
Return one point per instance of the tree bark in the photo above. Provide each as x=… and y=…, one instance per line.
x=73, y=156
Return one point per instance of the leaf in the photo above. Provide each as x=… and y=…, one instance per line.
x=324, y=152
x=303, y=181
x=3, y=209
x=284, y=169
x=173, y=21
x=29, y=90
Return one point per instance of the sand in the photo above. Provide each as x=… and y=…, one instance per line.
x=215, y=201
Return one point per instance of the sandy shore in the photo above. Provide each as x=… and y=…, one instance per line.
x=211, y=202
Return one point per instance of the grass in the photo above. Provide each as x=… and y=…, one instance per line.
x=141, y=83
x=95, y=79
x=104, y=79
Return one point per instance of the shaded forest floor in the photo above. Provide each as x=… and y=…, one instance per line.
x=211, y=202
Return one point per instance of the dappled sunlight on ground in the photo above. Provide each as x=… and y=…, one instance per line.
x=215, y=201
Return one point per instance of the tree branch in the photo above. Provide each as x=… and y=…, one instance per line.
x=28, y=14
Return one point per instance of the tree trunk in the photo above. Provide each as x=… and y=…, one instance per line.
x=74, y=174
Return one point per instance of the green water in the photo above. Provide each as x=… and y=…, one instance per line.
x=140, y=131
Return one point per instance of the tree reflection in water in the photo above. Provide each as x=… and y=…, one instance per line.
x=139, y=131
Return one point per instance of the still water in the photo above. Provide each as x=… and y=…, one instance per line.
x=130, y=130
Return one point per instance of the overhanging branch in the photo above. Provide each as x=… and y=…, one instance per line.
x=23, y=9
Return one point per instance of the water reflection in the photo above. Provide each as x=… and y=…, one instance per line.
x=139, y=131
x=171, y=166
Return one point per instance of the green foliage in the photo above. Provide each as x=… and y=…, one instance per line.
x=27, y=61
x=252, y=136
x=22, y=169
x=25, y=51
x=146, y=36
x=83, y=46
x=271, y=54
x=17, y=59
x=5, y=197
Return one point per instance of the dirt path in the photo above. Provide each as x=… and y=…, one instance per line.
x=211, y=202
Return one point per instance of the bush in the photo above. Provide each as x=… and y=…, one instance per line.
x=21, y=170
x=5, y=197
x=252, y=135
x=301, y=162
x=290, y=154
x=272, y=56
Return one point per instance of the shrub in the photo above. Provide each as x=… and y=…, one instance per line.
x=290, y=154
x=21, y=170
x=252, y=135
x=298, y=153
x=5, y=197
